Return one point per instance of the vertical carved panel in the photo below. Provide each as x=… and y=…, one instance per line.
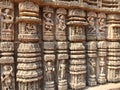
x=102, y=48
x=91, y=49
x=49, y=49
x=62, y=54
x=29, y=72
x=92, y=63
x=7, y=45
x=91, y=29
x=102, y=59
x=77, y=68
x=113, y=37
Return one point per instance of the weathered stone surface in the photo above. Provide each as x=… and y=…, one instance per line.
x=59, y=44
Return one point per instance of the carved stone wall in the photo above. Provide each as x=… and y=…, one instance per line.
x=59, y=44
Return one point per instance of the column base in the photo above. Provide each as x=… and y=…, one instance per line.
x=101, y=79
x=92, y=81
x=62, y=85
x=49, y=86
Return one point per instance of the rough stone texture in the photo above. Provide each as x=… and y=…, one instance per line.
x=59, y=44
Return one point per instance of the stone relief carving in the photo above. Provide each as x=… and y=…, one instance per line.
x=7, y=45
x=7, y=19
x=62, y=24
x=49, y=68
x=29, y=73
x=101, y=25
x=62, y=69
x=91, y=66
x=60, y=19
x=30, y=28
x=76, y=36
x=48, y=21
x=7, y=77
x=49, y=72
x=91, y=20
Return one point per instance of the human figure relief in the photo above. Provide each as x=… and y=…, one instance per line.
x=49, y=71
x=7, y=19
x=6, y=77
x=91, y=27
x=48, y=21
x=102, y=67
x=30, y=29
x=102, y=25
x=91, y=66
x=61, y=22
x=62, y=69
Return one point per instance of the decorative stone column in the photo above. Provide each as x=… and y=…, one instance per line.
x=62, y=46
x=29, y=66
x=49, y=49
x=101, y=48
x=91, y=49
x=77, y=67
x=113, y=36
x=7, y=45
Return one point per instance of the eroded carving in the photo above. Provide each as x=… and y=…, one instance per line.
x=7, y=19
x=7, y=77
x=49, y=68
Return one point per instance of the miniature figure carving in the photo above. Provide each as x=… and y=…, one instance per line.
x=49, y=71
x=6, y=77
x=61, y=22
x=91, y=66
x=91, y=27
x=48, y=21
x=102, y=25
x=102, y=66
x=62, y=68
x=7, y=19
x=30, y=29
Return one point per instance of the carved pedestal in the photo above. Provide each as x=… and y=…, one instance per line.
x=29, y=66
x=77, y=68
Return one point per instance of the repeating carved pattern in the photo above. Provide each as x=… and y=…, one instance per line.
x=77, y=68
x=61, y=44
x=49, y=49
x=92, y=62
x=29, y=66
x=7, y=45
x=113, y=72
x=102, y=48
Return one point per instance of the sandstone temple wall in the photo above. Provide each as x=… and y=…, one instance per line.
x=59, y=44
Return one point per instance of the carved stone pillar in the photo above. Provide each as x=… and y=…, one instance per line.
x=102, y=48
x=49, y=49
x=77, y=67
x=62, y=46
x=102, y=57
x=7, y=45
x=113, y=63
x=29, y=72
x=91, y=49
